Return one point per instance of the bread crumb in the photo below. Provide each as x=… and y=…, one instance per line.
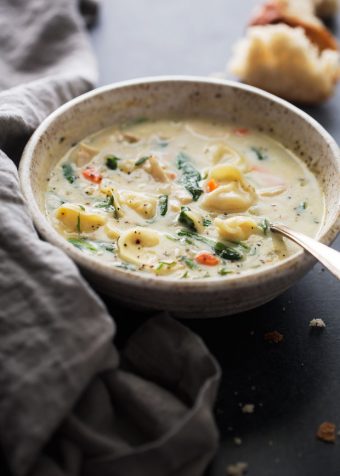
x=238, y=440
x=238, y=469
x=327, y=432
x=317, y=323
x=273, y=337
x=248, y=408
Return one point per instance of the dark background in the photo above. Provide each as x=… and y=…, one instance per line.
x=295, y=385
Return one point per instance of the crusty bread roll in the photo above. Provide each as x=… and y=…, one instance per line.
x=284, y=61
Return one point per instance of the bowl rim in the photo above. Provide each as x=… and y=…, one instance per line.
x=243, y=280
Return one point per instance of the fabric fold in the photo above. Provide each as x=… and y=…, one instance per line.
x=147, y=429
x=69, y=404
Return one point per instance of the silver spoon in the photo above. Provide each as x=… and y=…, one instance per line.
x=327, y=256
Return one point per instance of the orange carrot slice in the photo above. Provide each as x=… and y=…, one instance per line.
x=212, y=185
x=207, y=259
x=92, y=175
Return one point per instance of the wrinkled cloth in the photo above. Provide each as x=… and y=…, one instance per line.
x=69, y=404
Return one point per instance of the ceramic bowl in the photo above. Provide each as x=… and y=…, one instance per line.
x=187, y=96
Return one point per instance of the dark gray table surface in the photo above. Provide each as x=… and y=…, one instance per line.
x=294, y=385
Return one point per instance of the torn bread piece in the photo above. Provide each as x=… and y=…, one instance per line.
x=296, y=14
x=283, y=61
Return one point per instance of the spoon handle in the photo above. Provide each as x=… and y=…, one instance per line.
x=327, y=256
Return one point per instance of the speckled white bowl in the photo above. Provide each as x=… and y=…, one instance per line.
x=186, y=96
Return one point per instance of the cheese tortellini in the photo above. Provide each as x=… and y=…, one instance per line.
x=78, y=218
x=222, y=153
x=236, y=228
x=143, y=247
x=144, y=204
x=234, y=194
x=228, y=199
x=137, y=244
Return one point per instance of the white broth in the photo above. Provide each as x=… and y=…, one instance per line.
x=182, y=199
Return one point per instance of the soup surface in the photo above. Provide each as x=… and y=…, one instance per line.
x=182, y=199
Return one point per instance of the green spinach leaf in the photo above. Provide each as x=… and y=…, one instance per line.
x=185, y=219
x=69, y=173
x=83, y=244
x=112, y=162
x=190, y=175
x=265, y=226
x=163, y=204
x=142, y=160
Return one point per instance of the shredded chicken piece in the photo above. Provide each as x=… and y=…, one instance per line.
x=156, y=170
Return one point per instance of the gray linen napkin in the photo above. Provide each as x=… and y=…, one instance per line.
x=68, y=404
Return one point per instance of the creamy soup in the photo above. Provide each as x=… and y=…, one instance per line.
x=184, y=199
